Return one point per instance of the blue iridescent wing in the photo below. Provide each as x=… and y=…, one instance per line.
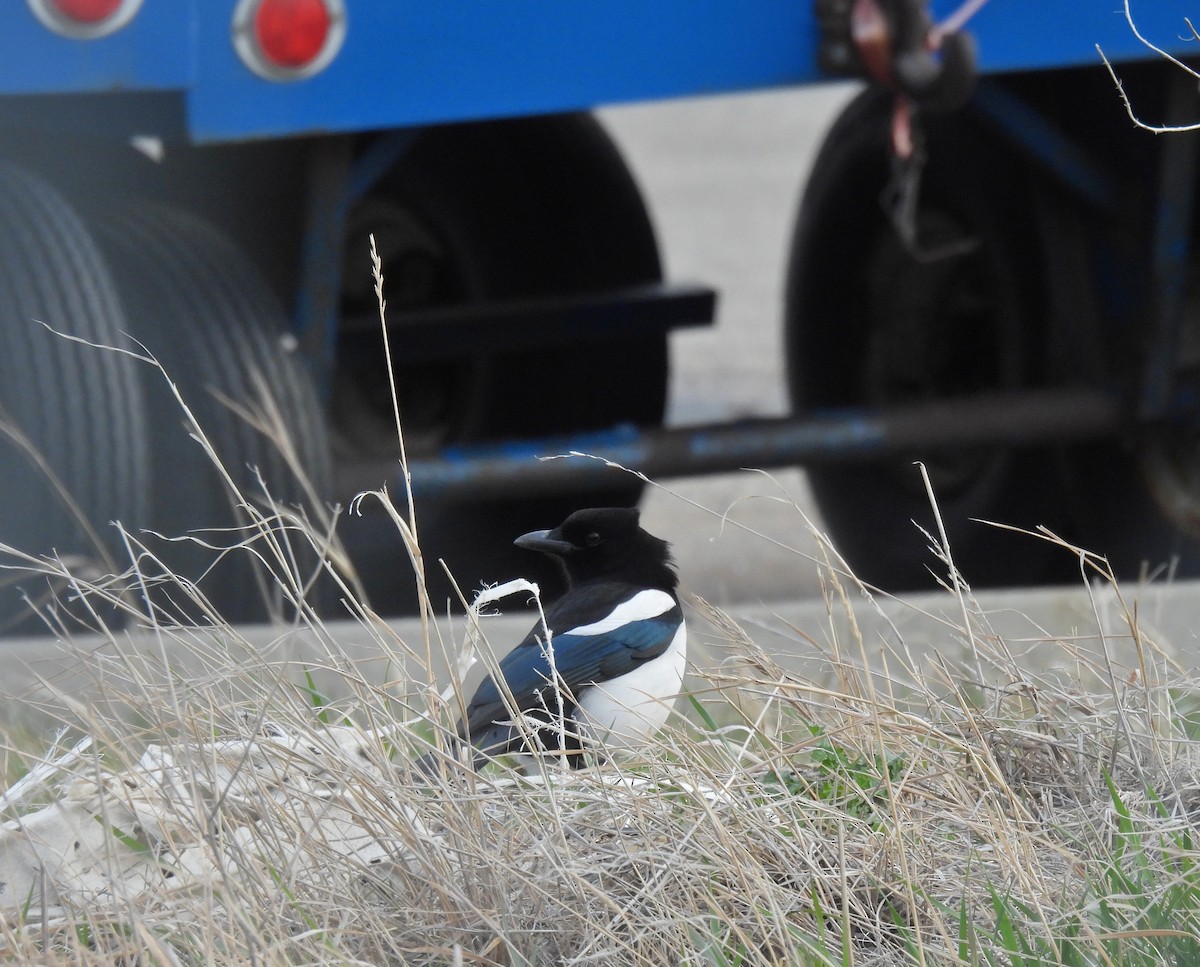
x=580, y=659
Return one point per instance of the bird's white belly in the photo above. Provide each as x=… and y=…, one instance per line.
x=624, y=712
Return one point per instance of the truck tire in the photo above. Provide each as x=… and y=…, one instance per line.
x=868, y=324
x=1135, y=500
x=511, y=209
x=198, y=305
x=73, y=451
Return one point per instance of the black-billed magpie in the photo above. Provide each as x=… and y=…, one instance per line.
x=615, y=660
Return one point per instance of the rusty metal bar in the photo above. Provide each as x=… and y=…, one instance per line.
x=1030, y=418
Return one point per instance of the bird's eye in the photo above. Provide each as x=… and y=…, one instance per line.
x=592, y=539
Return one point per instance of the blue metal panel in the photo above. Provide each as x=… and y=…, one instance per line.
x=413, y=63
x=153, y=52
x=407, y=63
x=1039, y=34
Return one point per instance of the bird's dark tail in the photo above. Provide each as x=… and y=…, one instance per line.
x=448, y=759
x=496, y=741
x=427, y=766
x=499, y=739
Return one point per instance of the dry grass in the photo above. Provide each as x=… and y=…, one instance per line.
x=209, y=805
x=894, y=812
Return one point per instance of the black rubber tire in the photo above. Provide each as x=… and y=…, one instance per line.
x=502, y=210
x=1111, y=491
x=867, y=324
x=527, y=207
x=1136, y=500
x=79, y=407
x=196, y=302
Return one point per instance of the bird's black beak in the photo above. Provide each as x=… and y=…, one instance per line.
x=544, y=541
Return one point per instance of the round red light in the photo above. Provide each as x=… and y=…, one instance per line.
x=86, y=11
x=291, y=33
x=85, y=19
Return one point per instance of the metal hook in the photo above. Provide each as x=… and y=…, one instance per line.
x=894, y=43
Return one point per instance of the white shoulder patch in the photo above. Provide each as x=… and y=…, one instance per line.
x=643, y=605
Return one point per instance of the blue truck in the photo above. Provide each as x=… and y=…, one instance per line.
x=991, y=272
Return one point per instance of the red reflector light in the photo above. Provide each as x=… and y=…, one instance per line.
x=288, y=39
x=86, y=11
x=84, y=19
x=291, y=32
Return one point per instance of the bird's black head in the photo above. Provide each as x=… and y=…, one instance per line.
x=606, y=543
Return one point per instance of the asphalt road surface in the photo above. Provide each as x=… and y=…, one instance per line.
x=722, y=177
